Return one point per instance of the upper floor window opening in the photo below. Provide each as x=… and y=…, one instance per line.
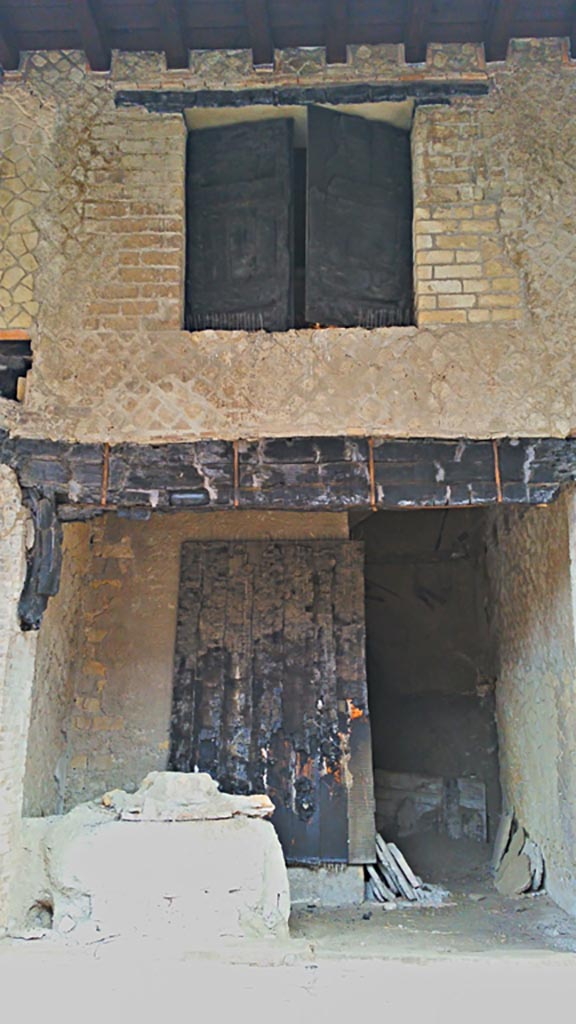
x=293, y=222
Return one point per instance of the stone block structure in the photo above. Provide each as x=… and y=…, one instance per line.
x=127, y=420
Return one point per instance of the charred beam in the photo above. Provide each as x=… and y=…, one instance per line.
x=416, y=30
x=173, y=31
x=261, y=39
x=336, y=19
x=92, y=34
x=301, y=472
x=499, y=28
x=9, y=48
x=164, y=101
x=44, y=560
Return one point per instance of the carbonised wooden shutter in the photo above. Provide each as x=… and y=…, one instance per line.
x=239, y=210
x=359, y=244
x=270, y=687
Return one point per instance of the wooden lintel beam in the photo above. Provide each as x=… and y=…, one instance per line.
x=336, y=21
x=416, y=30
x=261, y=39
x=173, y=32
x=92, y=34
x=9, y=49
x=499, y=24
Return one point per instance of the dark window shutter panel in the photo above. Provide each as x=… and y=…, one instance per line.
x=359, y=240
x=239, y=208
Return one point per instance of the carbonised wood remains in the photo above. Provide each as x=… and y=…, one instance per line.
x=269, y=681
x=239, y=185
x=292, y=473
x=359, y=253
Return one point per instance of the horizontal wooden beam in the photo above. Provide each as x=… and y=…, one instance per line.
x=9, y=49
x=498, y=30
x=336, y=22
x=292, y=473
x=416, y=30
x=261, y=40
x=167, y=101
x=63, y=482
x=92, y=34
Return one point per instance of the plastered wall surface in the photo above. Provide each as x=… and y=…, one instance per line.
x=120, y=718
x=57, y=662
x=532, y=567
x=92, y=264
x=16, y=671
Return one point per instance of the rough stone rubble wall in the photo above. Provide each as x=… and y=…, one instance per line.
x=93, y=214
x=531, y=558
x=16, y=669
x=58, y=659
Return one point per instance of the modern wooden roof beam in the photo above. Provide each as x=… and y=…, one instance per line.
x=92, y=34
x=9, y=49
x=336, y=22
x=173, y=32
x=415, y=30
x=261, y=39
x=499, y=28
x=573, y=31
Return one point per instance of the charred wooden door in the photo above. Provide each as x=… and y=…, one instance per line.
x=240, y=217
x=359, y=248
x=270, y=687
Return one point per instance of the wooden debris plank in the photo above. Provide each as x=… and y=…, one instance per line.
x=392, y=872
x=502, y=839
x=384, y=888
x=371, y=891
x=377, y=885
x=404, y=866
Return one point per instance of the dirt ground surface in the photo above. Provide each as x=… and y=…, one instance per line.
x=478, y=958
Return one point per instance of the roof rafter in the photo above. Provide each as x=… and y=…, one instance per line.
x=173, y=32
x=573, y=31
x=9, y=49
x=92, y=33
x=336, y=22
x=416, y=29
x=499, y=23
x=261, y=39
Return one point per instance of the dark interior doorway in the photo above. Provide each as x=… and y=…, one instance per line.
x=431, y=672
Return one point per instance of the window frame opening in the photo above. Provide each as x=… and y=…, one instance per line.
x=315, y=252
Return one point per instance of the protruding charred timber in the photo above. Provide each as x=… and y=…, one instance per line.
x=44, y=561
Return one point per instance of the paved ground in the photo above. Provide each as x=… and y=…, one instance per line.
x=474, y=960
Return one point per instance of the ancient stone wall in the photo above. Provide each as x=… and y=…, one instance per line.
x=120, y=721
x=92, y=263
x=16, y=670
x=60, y=644
x=531, y=557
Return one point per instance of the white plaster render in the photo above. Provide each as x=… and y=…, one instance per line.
x=60, y=643
x=534, y=586
x=16, y=670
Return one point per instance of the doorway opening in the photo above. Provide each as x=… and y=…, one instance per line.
x=431, y=671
